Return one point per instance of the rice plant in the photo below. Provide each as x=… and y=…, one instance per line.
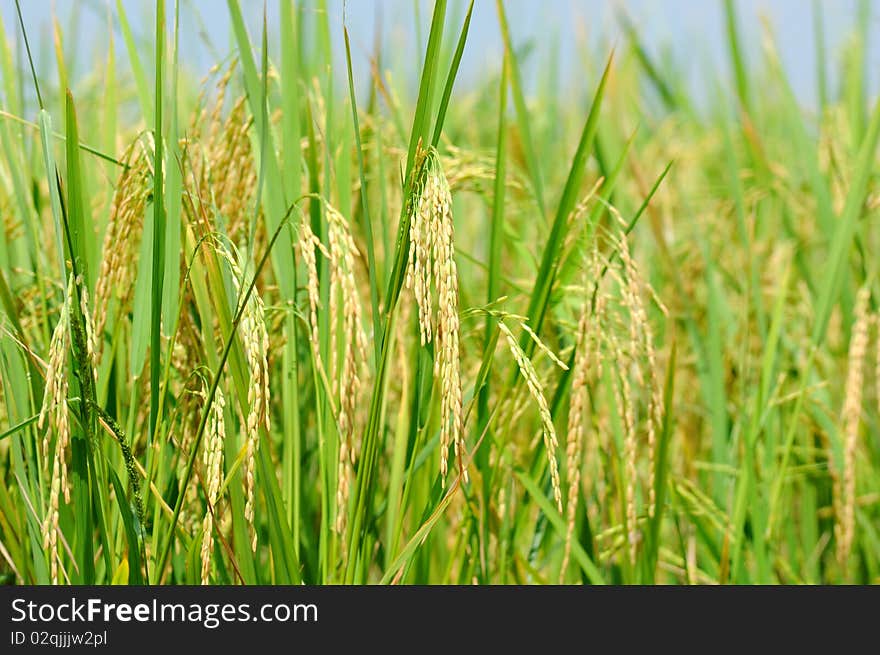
x=286, y=324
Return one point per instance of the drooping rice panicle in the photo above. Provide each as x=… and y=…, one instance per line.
x=212, y=457
x=844, y=529
x=575, y=432
x=55, y=407
x=345, y=374
x=308, y=243
x=353, y=341
x=527, y=370
x=432, y=262
x=255, y=340
x=121, y=239
x=642, y=337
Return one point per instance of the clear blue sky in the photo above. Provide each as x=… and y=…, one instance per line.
x=692, y=29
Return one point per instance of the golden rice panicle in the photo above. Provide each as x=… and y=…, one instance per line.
x=432, y=263
x=347, y=338
x=642, y=340
x=55, y=407
x=527, y=370
x=308, y=243
x=654, y=418
x=575, y=431
x=116, y=273
x=346, y=374
x=448, y=362
x=630, y=445
x=851, y=417
x=233, y=174
x=625, y=362
x=256, y=347
x=213, y=461
x=55, y=370
x=255, y=341
x=418, y=272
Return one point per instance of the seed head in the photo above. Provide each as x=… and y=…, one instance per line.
x=852, y=409
x=432, y=262
x=347, y=339
x=55, y=406
x=527, y=370
x=575, y=433
x=116, y=274
x=213, y=460
x=255, y=342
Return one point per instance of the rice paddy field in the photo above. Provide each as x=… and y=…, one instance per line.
x=303, y=321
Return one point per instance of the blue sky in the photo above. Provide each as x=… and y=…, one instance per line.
x=692, y=29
